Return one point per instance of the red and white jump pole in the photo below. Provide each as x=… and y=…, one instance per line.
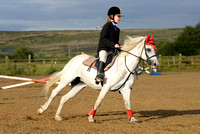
x=29, y=81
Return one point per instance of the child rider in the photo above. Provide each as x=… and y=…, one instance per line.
x=109, y=39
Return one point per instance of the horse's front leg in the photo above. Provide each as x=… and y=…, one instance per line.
x=100, y=98
x=126, y=93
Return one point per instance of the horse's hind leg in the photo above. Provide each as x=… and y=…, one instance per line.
x=53, y=94
x=75, y=89
x=63, y=83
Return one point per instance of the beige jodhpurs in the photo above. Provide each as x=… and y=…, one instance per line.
x=103, y=56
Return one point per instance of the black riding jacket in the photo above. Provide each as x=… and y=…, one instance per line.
x=108, y=38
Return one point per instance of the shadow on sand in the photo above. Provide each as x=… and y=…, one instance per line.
x=151, y=115
x=148, y=115
x=159, y=114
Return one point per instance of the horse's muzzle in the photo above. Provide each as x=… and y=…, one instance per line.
x=155, y=64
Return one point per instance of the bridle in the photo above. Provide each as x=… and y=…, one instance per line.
x=148, y=61
x=139, y=59
x=148, y=58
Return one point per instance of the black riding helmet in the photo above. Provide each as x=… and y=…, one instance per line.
x=113, y=11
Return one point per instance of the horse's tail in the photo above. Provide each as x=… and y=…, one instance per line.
x=53, y=79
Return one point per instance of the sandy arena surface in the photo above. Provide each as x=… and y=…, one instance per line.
x=164, y=104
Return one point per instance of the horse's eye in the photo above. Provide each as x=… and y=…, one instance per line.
x=148, y=50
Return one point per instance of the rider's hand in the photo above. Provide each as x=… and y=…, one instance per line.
x=117, y=46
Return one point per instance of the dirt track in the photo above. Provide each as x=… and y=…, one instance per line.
x=163, y=104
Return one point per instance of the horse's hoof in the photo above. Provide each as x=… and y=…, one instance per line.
x=133, y=120
x=58, y=118
x=98, y=79
x=40, y=111
x=91, y=119
x=97, y=82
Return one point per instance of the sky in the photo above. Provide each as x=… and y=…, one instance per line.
x=39, y=15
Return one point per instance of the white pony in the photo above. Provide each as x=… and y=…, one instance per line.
x=120, y=77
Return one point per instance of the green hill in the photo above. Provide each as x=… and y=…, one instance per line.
x=56, y=43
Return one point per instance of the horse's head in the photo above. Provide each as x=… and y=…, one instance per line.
x=149, y=52
x=133, y=46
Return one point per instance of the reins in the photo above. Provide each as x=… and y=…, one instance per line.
x=130, y=72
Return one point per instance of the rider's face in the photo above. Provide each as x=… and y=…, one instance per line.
x=117, y=18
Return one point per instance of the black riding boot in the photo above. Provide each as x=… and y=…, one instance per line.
x=100, y=72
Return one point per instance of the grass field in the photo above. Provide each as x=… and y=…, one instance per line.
x=56, y=43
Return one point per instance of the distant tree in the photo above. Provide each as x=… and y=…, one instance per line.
x=22, y=53
x=167, y=49
x=188, y=42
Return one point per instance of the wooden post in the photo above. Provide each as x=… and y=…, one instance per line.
x=77, y=45
x=44, y=65
x=29, y=64
x=6, y=69
x=174, y=60
x=168, y=63
x=180, y=61
x=69, y=50
x=191, y=63
x=52, y=63
x=160, y=60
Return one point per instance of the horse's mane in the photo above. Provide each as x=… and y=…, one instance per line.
x=130, y=43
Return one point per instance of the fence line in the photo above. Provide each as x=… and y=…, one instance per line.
x=48, y=66
x=179, y=62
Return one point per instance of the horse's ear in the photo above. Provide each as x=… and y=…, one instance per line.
x=151, y=39
x=148, y=38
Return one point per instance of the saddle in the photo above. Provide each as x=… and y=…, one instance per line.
x=93, y=62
